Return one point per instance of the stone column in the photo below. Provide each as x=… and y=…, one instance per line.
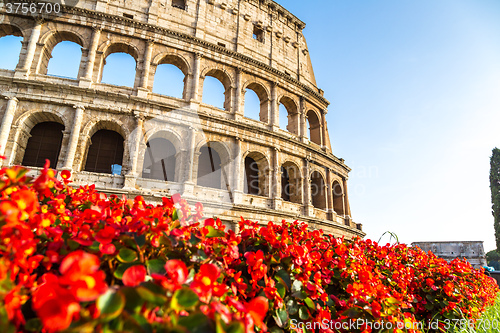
x=131, y=176
x=74, y=137
x=237, y=172
x=303, y=120
x=323, y=128
x=276, y=183
x=196, y=78
x=143, y=91
x=25, y=68
x=275, y=111
x=307, y=188
x=329, y=195
x=86, y=80
x=189, y=182
x=347, y=207
x=238, y=109
x=8, y=117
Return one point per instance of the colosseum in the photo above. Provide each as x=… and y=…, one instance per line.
x=133, y=141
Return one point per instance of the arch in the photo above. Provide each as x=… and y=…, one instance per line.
x=43, y=144
x=263, y=95
x=318, y=190
x=105, y=151
x=11, y=38
x=314, y=127
x=93, y=127
x=25, y=123
x=169, y=80
x=50, y=40
x=159, y=160
x=123, y=74
x=292, y=114
x=338, y=198
x=291, y=183
x=224, y=78
x=256, y=175
x=211, y=166
x=173, y=59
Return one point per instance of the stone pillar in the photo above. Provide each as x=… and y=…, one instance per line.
x=308, y=207
x=86, y=80
x=323, y=128
x=275, y=111
x=196, y=78
x=329, y=195
x=8, y=117
x=237, y=171
x=131, y=176
x=74, y=137
x=276, y=180
x=143, y=91
x=238, y=109
x=347, y=207
x=24, y=70
x=303, y=120
x=189, y=182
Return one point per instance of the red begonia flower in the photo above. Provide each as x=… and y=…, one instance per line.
x=134, y=276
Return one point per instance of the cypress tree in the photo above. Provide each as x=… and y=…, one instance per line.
x=495, y=192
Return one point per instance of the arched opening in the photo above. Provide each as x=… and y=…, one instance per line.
x=252, y=181
x=159, y=160
x=10, y=44
x=252, y=105
x=169, y=81
x=314, y=127
x=44, y=144
x=338, y=198
x=255, y=176
x=288, y=115
x=181, y=4
x=105, y=154
x=290, y=183
x=66, y=59
x=120, y=65
x=256, y=102
x=318, y=192
x=213, y=92
x=209, y=168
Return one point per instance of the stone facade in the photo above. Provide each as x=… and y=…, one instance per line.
x=245, y=44
x=473, y=251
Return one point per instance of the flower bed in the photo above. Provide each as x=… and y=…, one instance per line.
x=79, y=261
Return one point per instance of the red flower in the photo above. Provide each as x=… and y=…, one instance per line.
x=205, y=282
x=80, y=271
x=257, y=308
x=176, y=271
x=105, y=235
x=134, y=276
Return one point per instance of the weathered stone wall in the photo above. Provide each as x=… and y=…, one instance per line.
x=207, y=38
x=473, y=251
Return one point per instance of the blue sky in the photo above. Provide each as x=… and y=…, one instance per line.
x=415, y=93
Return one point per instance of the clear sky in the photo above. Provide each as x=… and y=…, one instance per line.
x=414, y=88
x=415, y=93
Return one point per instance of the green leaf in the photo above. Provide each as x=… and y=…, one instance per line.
x=140, y=240
x=236, y=327
x=309, y=302
x=33, y=325
x=111, y=304
x=73, y=245
x=281, y=289
x=303, y=313
x=352, y=313
x=156, y=266
x=195, y=323
x=297, y=290
x=212, y=232
x=134, y=301
x=292, y=306
x=152, y=292
x=175, y=215
x=281, y=317
x=285, y=277
x=127, y=255
x=184, y=298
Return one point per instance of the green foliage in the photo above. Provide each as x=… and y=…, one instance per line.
x=493, y=259
x=495, y=191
